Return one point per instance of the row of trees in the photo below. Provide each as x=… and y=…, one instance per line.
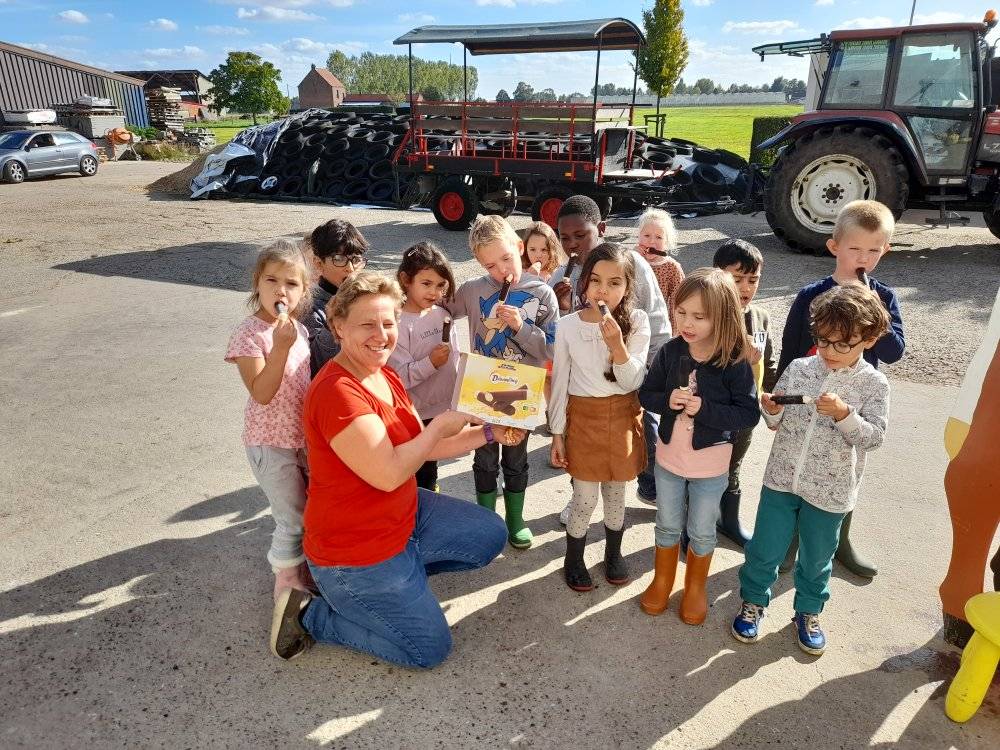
x=370, y=73
x=792, y=87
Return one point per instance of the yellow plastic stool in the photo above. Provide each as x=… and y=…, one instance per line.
x=979, y=659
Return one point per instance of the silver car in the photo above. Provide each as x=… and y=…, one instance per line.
x=28, y=153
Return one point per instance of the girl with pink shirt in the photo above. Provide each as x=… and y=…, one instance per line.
x=271, y=350
x=702, y=384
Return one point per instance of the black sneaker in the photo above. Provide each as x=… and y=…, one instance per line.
x=288, y=637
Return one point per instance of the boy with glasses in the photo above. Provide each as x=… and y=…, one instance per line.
x=338, y=251
x=829, y=410
x=860, y=238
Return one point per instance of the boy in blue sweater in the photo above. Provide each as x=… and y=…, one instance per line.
x=860, y=238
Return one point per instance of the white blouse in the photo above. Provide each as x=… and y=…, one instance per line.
x=581, y=359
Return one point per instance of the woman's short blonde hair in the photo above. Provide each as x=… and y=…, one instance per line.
x=361, y=285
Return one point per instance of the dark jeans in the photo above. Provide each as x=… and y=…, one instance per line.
x=427, y=474
x=487, y=464
x=387, y=609
x=650, y=426
x=741, y=444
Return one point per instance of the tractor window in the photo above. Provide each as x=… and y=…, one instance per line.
x=857, y=73
x=935, y=70
x=944, y=142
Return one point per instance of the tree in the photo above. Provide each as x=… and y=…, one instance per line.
x=545, y=95
x=523, y=92
x=704, y=86
x=432, y=94
x=662, y=60
x=344, y=67
x=795, y=88
x=778, y=84
x=503, y=96
x=246, y=83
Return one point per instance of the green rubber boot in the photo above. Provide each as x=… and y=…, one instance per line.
x=487, y=500
x=518, y=534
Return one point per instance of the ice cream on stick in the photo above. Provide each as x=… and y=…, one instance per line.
x=282, y=309
x=505, y=289
x=603, y=308
x=446, y=331
x=493, y=323
x=536, y=268
x=654, y=251
x=569, y=266
x=789, y=398
x=862, y=276
x=684, y=373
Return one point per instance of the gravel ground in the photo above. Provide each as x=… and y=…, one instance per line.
x=946, y=279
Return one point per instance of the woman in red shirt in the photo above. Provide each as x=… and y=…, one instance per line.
x=371, y=537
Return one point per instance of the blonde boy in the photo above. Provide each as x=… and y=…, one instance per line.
x=512, y=316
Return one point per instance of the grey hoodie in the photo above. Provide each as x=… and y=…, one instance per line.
x=534, y=343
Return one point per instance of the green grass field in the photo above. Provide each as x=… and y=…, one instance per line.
x=717, y=127
x=226, y=130
x=714, y=127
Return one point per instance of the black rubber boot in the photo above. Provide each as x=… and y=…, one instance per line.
x=574, y=569
x=848, y=557
x=615, y=567
x=729, y=518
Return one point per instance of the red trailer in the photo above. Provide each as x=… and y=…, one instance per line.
x=468, y=158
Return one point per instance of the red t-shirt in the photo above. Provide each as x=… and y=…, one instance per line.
x=348, y=521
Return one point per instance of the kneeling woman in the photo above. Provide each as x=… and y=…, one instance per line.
x=371, y=536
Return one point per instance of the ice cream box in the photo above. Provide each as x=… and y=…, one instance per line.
x=500, y=392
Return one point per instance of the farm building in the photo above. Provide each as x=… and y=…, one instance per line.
x=36, y=80
x=193, y=84
x=321, y=88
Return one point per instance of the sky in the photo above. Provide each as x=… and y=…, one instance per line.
x=292, y=34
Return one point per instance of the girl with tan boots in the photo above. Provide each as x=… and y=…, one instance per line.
x=702, y=384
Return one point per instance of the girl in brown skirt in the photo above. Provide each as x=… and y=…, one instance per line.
x=599, y=363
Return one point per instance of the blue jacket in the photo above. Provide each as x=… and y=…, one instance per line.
x=796, y=340
x=728, y=396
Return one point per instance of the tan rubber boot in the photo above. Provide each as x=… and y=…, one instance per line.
x=694, y=605
x=655, y=598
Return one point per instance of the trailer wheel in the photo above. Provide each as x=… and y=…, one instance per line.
x=992, y=218
x=547, y=204
x=455, y=204
x=816, y=175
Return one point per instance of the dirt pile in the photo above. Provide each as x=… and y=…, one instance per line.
x=179, y=182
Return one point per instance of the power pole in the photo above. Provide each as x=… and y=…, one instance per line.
x=913, y=9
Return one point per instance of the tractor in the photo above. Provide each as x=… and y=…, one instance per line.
x=906, y=116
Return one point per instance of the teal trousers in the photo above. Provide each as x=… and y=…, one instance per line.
x=819, y=534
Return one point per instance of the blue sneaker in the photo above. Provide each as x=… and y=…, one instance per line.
x=810, y=634
x=746, y=626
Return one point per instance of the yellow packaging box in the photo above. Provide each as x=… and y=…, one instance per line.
x=500, y=392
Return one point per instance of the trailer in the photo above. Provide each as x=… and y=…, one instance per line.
x=465, y=158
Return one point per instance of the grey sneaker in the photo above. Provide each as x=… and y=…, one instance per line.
x=288, y=637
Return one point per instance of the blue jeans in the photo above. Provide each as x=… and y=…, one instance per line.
x=693, y=503
x=647, y=480
x=387, y=609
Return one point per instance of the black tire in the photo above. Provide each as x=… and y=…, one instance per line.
x=992, y=218
x=293, y=169
x=382, y=191
x=292, y=187
x=14, y=172
x=377, y=152
x=729, y=159
x=355, y=190
x=312, y=153
x=333, y=190
x=545, y=207
x=381, y=170
x=455, y=204
x=705, y=156
x=356, y=169
x=88, y=166
x=335, y=169
x=786, y=199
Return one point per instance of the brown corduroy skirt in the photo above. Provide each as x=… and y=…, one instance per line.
x=604, y=439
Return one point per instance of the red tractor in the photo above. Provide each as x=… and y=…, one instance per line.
x=906, y=116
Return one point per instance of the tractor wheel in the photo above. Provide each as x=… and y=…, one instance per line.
x=992, y=218
x=816, y=175
x=547, y=204
x=455, y=204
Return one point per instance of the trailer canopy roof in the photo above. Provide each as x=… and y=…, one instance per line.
x=510, y=38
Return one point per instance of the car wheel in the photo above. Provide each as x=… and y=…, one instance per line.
x=13, y=171
x=88, y=166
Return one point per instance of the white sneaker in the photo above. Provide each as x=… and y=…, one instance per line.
x=564, y=514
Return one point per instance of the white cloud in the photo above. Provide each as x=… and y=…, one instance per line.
x=73, y=16
x=223, y=30
x=702, y=3
x=175, y=52
x=37, y=46
x=272, y=13
x=162, y=24
x=294, y=56
x=772, y=28
x=727, y=64
x=824, y=2
x=866, y=22
x=944, y=16
x=416, y=18
x=515, y=3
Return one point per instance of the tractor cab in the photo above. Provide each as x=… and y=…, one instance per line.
x=904, y=115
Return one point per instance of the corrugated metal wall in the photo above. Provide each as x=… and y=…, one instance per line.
x=26, y=83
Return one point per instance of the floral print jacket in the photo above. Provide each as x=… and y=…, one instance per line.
x=820, y=460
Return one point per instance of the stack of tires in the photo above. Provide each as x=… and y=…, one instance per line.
x=695, y=173
x=332, y=156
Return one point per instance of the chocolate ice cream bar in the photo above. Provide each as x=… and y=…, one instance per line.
x=654, y=251
x=570, y=264
x=603, y=308
x=684, y=373
x=446, y=331
x=788, y=398
x=862, y=276
x=505, y=289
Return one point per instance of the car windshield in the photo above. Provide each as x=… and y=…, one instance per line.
x=13, y=140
